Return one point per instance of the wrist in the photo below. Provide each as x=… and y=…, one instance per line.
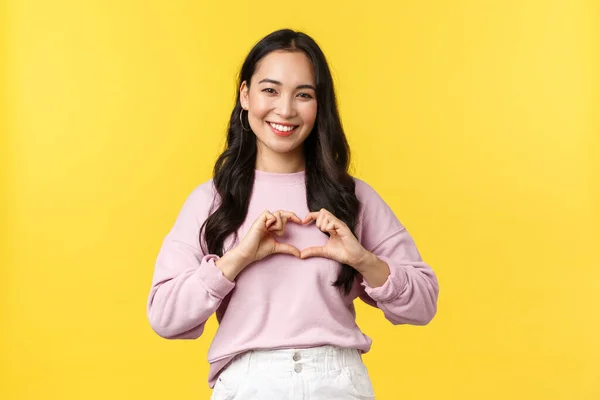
x=374, y=270
x=366, y=261
x=240, y=257
x=231, y=264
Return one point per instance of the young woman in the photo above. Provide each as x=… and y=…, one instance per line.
x=282, y=240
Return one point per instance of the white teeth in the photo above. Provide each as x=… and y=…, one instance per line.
x=282, y=128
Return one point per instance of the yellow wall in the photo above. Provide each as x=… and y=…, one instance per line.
x=476, y=120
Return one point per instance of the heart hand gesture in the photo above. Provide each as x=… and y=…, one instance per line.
x=342, y=246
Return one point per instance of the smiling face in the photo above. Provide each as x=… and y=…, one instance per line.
x=282, y=107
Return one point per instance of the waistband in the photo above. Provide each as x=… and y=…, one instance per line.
x=318, y=360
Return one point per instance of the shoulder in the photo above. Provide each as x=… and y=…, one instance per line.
x=368, y=197
x=204, y=191
x=200, y=200
x=363, y=190
x=376, y=219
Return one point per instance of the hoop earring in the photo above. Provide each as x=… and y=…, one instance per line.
x=241, y=122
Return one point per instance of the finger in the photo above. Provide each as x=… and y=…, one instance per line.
x=326, y=222
x=291, y=216
x=279, y=227
x=269, y=219
x=262, y=220
x=279, y=224
x=274, y=229
x=324, y=218
x=313, y=252
x=326, y=214
x=284, y=221
x=310, y=217
x=321, y=220
x=283, y=248
x=331, y=227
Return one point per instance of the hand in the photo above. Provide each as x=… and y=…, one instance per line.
x=259, y=242
x=342, y=246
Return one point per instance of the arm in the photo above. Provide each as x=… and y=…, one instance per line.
x=398, y=282
x=395, y=278
x=187, y=286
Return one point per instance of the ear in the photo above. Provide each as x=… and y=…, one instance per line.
x=244, y=95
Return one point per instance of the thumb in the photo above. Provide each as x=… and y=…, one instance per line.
x=313, y=252
x=283, y=248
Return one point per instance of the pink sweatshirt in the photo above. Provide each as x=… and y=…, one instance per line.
x=283, y=301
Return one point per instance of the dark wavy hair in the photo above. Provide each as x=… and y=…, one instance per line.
x=327, y=155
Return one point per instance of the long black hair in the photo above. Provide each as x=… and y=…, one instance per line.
x=327, y=155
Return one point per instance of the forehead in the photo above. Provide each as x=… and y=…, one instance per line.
x=289, y=68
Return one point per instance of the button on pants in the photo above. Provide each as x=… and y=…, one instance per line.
x=318, y=373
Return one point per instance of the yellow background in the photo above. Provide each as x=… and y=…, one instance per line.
x=476, y=120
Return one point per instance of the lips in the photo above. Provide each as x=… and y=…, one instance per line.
x=282, y=129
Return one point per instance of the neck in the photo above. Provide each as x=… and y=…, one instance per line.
x=281, y=163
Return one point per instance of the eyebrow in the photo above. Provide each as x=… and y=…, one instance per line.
x=274, y=82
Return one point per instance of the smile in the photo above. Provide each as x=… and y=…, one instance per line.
x=282, y=130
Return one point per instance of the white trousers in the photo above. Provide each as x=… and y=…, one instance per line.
x=318, y=373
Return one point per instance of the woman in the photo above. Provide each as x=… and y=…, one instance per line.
x=282, y=240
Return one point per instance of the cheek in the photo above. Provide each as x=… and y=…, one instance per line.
x=260, y=106
x=309, y=114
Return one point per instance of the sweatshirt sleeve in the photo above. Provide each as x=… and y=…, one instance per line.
x=410, y=293
x=187, y=286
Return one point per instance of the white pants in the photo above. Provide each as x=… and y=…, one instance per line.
x=318, y=373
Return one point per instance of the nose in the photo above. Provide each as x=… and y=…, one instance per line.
x=286, y=108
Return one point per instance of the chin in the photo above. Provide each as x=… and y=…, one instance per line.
x=281, y=149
